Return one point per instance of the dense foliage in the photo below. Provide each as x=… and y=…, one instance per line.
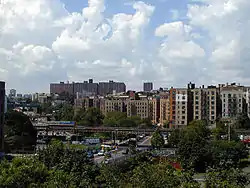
x=18, y=131
x=197, y=150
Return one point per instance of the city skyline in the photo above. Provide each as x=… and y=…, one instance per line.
x=167, y=42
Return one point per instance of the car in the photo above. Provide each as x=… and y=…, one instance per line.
x=90, y=155
x=100, y=153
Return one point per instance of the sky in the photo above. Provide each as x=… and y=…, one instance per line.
x=167, y=42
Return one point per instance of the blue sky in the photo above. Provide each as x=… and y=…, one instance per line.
x=171, y=50
x=164, y=9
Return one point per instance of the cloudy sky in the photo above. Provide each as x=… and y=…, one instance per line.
x=168, y=42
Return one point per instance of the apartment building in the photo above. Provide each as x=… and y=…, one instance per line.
x=206, y=104
x=164, y=109
x=139, y=108
x=172, y=107
x=110, y=87
x=88, y=88
x=213, y=104
x=111, y=105
x=87, y=102
x=147, y=86
x=233, y=101
x=247, y=99
x=181, y=107
x=154, y=109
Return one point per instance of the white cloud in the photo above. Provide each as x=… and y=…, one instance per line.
x=41, y=42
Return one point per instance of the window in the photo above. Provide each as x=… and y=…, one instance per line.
x=182, y=122
x=196, y=117
x=212, y=112
x=183, y=117
x=212, y=92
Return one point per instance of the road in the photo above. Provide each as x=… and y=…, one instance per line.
x=146, y=141
x=115, y=155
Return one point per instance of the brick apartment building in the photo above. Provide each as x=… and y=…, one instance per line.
x=88, y=88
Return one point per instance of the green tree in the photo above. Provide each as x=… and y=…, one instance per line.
x=92, y=117
x=157, y=140
x=145, y=123
x=22, y=173
x=175, y=137
x=193, y=146
x=229, y=178
x=64, y=112
x=226, y=154
x=113, y=119
x=79, y=114
x=160, y=175
x=242, y=121
x=46, y=108
x=19, y=131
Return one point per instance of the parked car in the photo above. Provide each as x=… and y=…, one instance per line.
x=100, y=153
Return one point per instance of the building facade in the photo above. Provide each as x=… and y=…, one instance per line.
x=147, y=87
x=233, y=101
x=88, y=88
x=2, y=112
x=111, y=87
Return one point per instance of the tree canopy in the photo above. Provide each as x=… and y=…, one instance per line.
x=157, y=140
x=19, y=131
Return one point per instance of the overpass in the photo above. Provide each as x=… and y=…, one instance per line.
x=84, y=129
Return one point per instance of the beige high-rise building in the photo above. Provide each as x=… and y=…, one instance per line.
x=139, y=108
x=181, y=107
x=111, y=105
x=154, y=112
x=206, y=104
x=233, y=101
x=164, y=110
x=87, y=102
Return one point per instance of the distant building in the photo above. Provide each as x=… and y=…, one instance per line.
x=62, y=87
x=88, y=88
x=233, y=101
x=12, y=93
x=2, y=111
x=110, y=87
x=147, y=87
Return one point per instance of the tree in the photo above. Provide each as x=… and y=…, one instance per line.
x=157, y=140
x=19, y=131
x=226, y=154
x=79, y=114
x=113, y=119
x=175, y=137
x=23, y=172
x=242, y=121
x=92, y=117
x=160, y=175
x=229, y=178
x=64, y=112
x=145, y=123
x=47, y=108
x=74, y=162
x=193, y=146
